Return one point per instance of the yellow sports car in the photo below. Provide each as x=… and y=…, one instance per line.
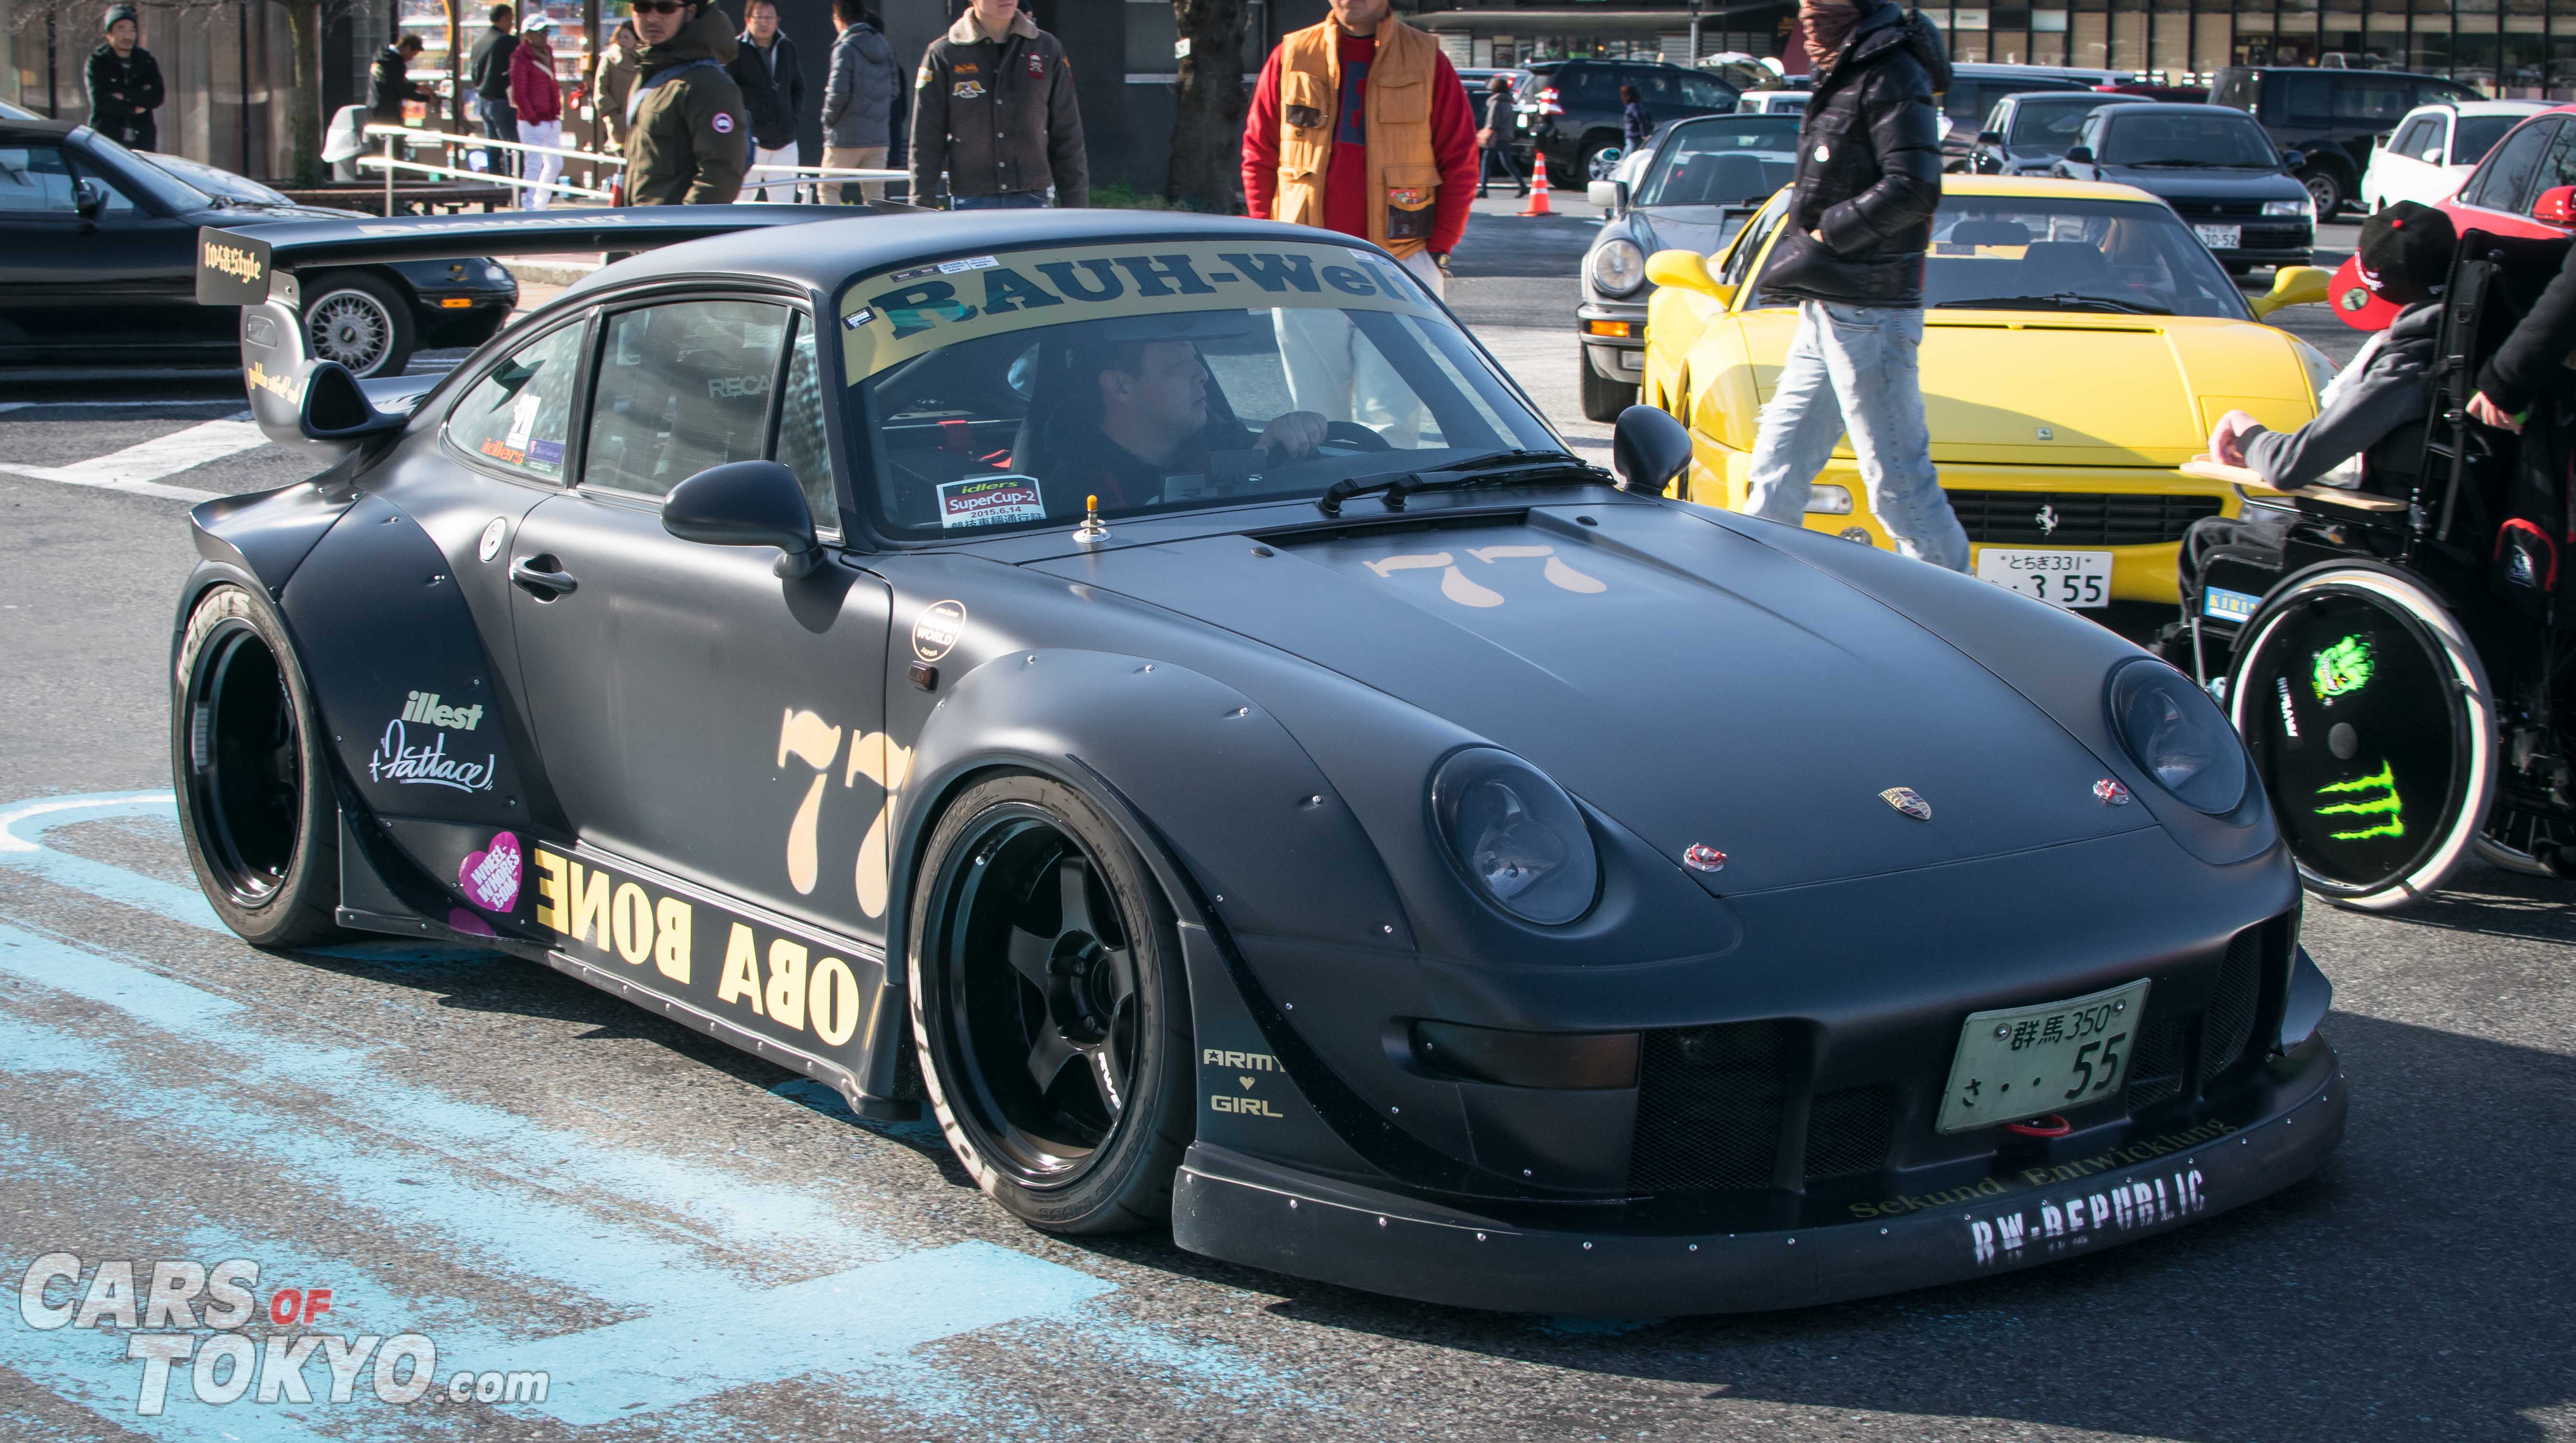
x=2079, y=342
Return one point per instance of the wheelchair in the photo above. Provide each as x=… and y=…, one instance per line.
x=2400, y=669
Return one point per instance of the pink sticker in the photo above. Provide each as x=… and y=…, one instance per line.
x=491, y=877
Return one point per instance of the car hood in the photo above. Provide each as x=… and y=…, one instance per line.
x=1688, y=681
x=2106, y=390
x=2171, y=184
x=1701, y=228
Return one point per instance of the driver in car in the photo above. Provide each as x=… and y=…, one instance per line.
x=1153, y=422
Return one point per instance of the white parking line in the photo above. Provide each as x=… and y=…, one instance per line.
x=137, y=469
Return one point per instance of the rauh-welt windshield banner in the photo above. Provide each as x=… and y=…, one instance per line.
x=912, y=309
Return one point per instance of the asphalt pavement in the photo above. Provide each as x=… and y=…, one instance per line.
x=530, y=1177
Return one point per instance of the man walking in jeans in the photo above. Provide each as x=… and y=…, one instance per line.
x=1851, y=254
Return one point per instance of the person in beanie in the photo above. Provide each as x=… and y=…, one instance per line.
x=773, y=87
x=538, y=102
x=125, y=83
x=389, y=83
x=996, y=74
x=489, y=74
x=1851, y=256
x=859, y=100
x=1494, y=141
x=2369, y=427
x=686, y=132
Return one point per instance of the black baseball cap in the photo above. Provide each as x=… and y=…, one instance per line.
x=2406, y=252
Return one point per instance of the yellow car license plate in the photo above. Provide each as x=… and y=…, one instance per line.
x=2024, y=1062
x=2060, y=578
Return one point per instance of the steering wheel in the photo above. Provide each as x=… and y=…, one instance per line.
x=1355, y=436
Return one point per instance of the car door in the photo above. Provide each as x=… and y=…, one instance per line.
x=697, y=713
x=40, y=229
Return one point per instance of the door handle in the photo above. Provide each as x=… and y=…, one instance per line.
x=541, y=576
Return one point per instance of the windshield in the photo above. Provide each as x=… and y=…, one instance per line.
x=2048, y=126
x=2474, y=135
x=1004, y=391
x=219, y=182
x=2227, y=139
x=1734, y=161
x=2045, y=254
x=143, y=175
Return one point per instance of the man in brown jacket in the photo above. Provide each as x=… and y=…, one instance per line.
x=688, y=136
x=996, y=74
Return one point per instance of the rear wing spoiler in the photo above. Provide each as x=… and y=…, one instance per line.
x=255, y=267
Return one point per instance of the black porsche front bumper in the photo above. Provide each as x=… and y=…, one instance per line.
x=1581, y=1260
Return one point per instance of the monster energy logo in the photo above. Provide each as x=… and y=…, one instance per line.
x=2373, y=796
x=2343, y=667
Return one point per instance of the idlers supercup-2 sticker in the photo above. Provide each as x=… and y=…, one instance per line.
x=990, y=501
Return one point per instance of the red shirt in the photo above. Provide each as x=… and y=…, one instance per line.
x=1453, y=147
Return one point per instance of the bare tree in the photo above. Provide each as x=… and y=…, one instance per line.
x=1207, y=126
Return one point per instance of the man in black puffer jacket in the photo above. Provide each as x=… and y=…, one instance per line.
x=1851, y=255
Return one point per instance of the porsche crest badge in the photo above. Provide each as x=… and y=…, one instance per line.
x=1908, y=801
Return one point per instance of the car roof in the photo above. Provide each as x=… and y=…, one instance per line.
x=2099, y=97
x=822, y=254
x=31, y=129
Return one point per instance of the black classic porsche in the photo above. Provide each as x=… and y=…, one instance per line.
x=1150, y=689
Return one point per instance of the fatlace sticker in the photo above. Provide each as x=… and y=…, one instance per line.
x=990, y=501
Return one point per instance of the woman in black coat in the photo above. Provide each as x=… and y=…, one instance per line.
x=1495, y=138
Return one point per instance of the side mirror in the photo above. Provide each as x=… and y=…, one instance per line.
x=1990, y=137
x=2298, y=286
x=746, y=503
x=1648, y=448
x=1610, y=195
x=90, y=198
x=2293, y=159
x=1687, y=270
x=2556, y=206
x=2079, y=155
x=336, y=409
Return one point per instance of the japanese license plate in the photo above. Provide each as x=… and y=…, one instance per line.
x=2060, y=578
x=2023, y=1062
x=2220, y=237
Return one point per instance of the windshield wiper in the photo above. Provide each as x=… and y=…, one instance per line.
x=2062, y=301
x=1494, y=468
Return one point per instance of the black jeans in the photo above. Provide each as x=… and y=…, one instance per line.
x=500, y=122
x=1485, y=167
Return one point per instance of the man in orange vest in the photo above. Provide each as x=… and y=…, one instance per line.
x=1360, y=125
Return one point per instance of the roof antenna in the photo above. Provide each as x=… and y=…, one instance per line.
x=1091, y=529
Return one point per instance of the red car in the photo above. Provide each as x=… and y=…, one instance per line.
x=2526, y=186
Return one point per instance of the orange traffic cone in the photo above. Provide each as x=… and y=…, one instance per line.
x=1538, y=187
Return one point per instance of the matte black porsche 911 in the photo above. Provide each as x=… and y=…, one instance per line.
x=1374, y=840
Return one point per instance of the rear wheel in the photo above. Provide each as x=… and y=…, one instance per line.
x=252, y=780
x=2369, y=720
x=360, y=321
x=1050, y=1009
x=1603, y=398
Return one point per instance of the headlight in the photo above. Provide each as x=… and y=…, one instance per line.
x=1618, y=267
x=1517, y=835
x=2304, y=209
x=2320, y=369
x=2176, y=733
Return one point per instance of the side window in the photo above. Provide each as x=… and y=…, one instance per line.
x=520, y=414
x=2310, y=98
x=2372, y=103
x=2508, y=172
x=2558, y=169
x=1588, y=87
x=2409, y=141
x=1748, y=244
x=681, y=387
x=1705, y=91
x=34, y=181
x=801, y=447
x=1655, y=86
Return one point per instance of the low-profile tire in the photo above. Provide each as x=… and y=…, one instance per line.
x=361, y=321
x=1603, y=398
x=2366, y=711
x=1050, y=1008
x=252, y=777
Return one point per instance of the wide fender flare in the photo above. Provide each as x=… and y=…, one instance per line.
x=1221, y=799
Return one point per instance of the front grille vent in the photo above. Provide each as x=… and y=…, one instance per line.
x=1709, y=1106
x=1848, y=1132
x=2077, y=518
x=2230, y=1023
x=2155, y=1069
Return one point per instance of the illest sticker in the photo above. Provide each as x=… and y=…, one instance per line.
x=990, y=501
x=490, y=877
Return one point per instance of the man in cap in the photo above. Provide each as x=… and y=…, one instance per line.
x=2369, y=428
x=124, y=83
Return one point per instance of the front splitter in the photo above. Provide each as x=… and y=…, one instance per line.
x=1243, y=1210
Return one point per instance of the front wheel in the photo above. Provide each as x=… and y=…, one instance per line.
x=360, y=321
x=253, y=781
x=2368, y=717
x=1603, y=399
x=2325, y=190
x=1050, y=1009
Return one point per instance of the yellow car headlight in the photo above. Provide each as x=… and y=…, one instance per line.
x=2320, y=370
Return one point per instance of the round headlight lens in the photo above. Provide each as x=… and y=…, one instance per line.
x=1618, y=267
x=2178, y=735
x=1518, y=836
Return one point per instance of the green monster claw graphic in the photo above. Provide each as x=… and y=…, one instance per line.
x=2343, y=667
x=2386, y=803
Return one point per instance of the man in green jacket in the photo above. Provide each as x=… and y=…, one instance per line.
x=688, y=135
